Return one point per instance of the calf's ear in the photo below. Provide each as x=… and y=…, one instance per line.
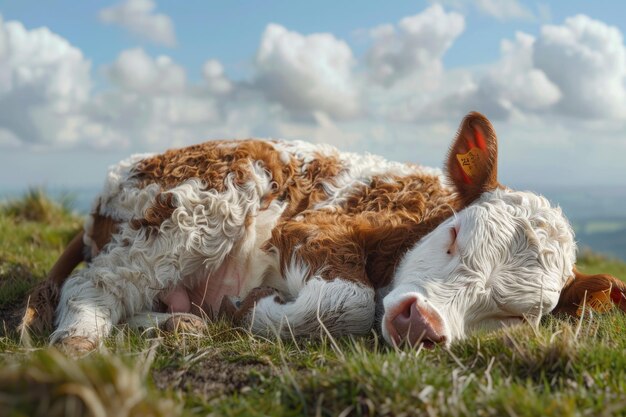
x=472, y=163
x=600, y=293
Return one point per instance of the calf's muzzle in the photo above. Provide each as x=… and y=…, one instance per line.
x=414, y=322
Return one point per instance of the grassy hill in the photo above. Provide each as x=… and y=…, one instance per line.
x=561, y=368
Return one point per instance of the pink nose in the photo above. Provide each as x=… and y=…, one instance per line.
x=413, y=322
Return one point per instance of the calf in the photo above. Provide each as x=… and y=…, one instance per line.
x=307, y=237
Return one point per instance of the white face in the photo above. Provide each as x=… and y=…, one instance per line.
x=500, y=261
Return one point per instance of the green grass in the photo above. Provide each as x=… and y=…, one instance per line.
x=560, y=368
x=34, y=231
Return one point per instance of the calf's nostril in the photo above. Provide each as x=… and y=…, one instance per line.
x=401, y=321
x=407, y=311
x=432, y=341
x=416, y=323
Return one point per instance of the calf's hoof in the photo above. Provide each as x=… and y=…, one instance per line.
x=183, y=323
x=76, y=346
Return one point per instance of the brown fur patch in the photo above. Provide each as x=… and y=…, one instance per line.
x=103, y=228
x=38, y=313
x=211, y=162
x=306, y=189
x=582, y=286
x=69, y=259
x=364, y=239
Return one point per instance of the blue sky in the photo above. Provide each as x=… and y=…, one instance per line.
x=107, y=79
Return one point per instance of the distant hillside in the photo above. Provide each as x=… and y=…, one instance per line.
x=608, y=242
x=598, y=215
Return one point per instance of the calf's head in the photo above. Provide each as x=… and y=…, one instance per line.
x=502, y=259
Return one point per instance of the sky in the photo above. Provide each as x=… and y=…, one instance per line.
x=85, y=84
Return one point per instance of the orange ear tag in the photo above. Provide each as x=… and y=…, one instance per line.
x=599, y=302
x=471, y=162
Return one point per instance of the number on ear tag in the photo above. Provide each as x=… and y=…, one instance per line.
x=471, y=162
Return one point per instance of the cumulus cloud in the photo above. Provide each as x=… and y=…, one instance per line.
x=416, y=45
x=216, y=79
x=155, y=105
x=135, y=120
x=323, y=130
x=576, y=70
x=135, y=71
x=44, y=81
x=138, y=17
x=514, y=82
x=586, y=59
x=307, y=73
x=46, y=97
x=510, y=87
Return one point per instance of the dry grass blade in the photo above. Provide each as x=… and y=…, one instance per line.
x=51, y=384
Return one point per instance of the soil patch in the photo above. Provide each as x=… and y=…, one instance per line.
x=213, y=377
x=10, y=318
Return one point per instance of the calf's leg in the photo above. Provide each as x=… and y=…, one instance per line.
x=336, y=307
x=139, y=263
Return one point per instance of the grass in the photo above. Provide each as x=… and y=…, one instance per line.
x=34, y=231
x=560, y=368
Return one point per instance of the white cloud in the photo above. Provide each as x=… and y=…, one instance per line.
x=154, y=105
x=576, y=70
x=513, y=82
x=307, y=73
x=135, y=71
x=586, y=59
x=216, y=79
x=44, y=81
x=509, y=88
x=138, y=17
x=416, y=45
x=46, y=98
x=324, y=130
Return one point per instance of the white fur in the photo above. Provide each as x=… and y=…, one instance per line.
x=313, y=307
x=205, y=229
x=513, y=256
x=337, y=306
x=358, y=169
x=152, y=320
